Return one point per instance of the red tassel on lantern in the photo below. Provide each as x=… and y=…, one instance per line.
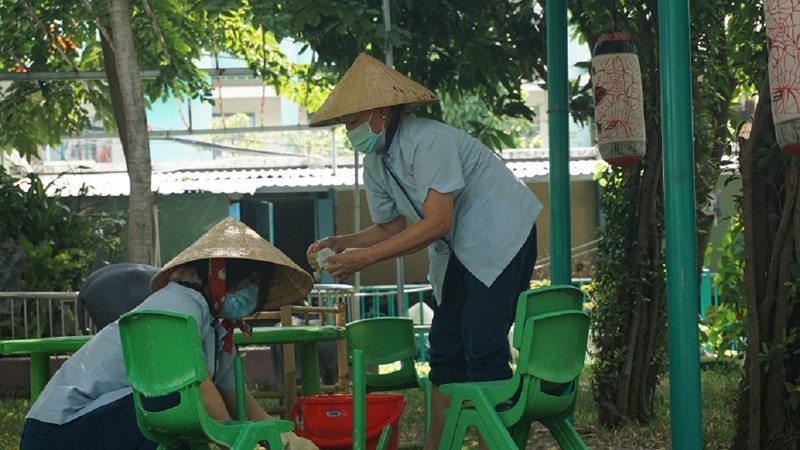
x=783, y=32
x=618, y=102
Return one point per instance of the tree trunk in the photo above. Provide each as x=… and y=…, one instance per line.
x=768, y=409
x=129, y=111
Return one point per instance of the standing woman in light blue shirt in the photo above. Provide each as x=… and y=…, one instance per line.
x=431, y=185
x=228, y=273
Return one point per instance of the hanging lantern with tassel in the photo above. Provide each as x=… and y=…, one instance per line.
x=783, y=32
x=618, y=102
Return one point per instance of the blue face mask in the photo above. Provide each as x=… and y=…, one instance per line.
x=242, y=303
x=364, y=140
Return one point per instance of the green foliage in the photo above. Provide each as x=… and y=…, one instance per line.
x=723, y=331
x=61, y=243
x=620, y=288
x=468, y=112
x=171, y=37
x=474, y=54
x=729, y=279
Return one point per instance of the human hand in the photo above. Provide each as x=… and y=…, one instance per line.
x=348, y=262
x=331, y=242
x=293, y=442
x=319, y=261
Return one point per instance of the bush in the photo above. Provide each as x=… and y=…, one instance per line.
x=61, y=244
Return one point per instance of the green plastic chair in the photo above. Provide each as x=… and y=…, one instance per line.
x=546, y=299
x=360, y=407
x=387, y=340
x=163, y=360
x=543, y=388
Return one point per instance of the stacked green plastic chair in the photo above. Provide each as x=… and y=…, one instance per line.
x=163, y=359
x=552, y=332
x=387, y=340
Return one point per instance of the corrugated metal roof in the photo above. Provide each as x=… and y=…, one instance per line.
x=273, y=180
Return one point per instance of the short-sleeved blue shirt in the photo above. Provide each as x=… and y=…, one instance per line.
x=95, y=375
x=493, y=210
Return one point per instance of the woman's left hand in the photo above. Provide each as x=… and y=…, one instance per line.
x=347, y=263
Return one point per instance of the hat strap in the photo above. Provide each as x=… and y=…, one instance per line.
x=229, y=325
x=397, y=111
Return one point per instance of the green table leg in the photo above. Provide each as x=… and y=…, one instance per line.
x=309, y=368
x=40, y=373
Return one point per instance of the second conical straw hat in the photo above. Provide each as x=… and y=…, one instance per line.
x=370, y=84
x=231, y=238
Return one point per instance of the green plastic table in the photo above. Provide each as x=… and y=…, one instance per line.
x=40, y=351
x=307, y=337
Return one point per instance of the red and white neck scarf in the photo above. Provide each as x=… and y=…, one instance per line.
x=217, y=291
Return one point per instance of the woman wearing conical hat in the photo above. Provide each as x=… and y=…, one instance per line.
x=431, y=185
x=228, y=273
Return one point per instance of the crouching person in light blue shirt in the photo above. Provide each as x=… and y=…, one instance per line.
x=228, y=273
x=431, y=185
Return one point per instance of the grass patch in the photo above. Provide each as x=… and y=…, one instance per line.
x=719, y=384
x=12, y=418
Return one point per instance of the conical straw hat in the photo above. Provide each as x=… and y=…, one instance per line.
x=233, y=239
x=370, y=84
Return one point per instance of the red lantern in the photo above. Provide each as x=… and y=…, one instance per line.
x=618, y=102
x=783, y=32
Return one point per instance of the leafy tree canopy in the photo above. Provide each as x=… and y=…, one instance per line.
x=64, y=36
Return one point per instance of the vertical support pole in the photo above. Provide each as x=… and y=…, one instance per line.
x=558, y=128
x=289, y=364
x=341, y=348
x=40, y=373
x=238, y=370
x=681, y=229
x=359, y=401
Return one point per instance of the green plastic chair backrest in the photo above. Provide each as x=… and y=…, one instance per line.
x=161, y=351
x=385, y=340
x=164, y=359
x=546, y=299
x=162, y=356
x=554, y=348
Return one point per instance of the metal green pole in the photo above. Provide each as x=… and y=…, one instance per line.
x=558, y=128
x=679, y=208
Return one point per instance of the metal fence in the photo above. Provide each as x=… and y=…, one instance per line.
x=26, y=315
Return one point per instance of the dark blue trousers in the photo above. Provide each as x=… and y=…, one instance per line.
x=469, y=333
x=112, y=426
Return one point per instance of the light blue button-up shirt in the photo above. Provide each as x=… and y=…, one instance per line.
x=95, y=375
x=493, y=210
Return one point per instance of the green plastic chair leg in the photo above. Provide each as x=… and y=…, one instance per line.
x=520, y=432
x=457, y=439
x=238, y=370
x=359, y=401
x=451, y=422
x=383, y=441
x=197, y=447
x=426, y=391
x=565, y=435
